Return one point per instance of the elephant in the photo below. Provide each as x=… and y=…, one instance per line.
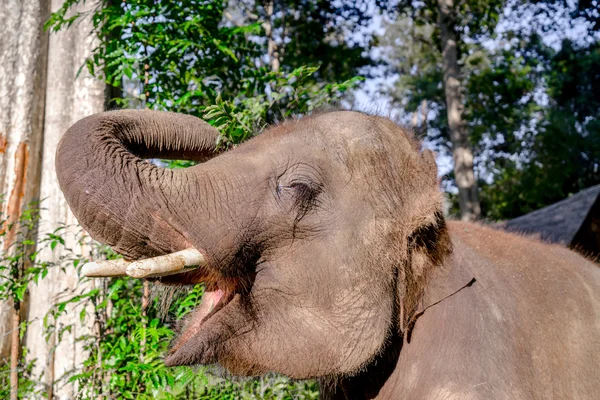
x=328, y=256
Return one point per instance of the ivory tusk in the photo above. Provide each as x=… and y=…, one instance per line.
x=107, y=268
x=168, y=264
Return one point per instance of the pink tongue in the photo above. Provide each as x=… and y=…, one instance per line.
x=209, y=302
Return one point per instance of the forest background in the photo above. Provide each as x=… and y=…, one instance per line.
x=507, y=92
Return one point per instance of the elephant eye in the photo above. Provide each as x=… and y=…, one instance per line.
x=305, y=196
x=303, y=192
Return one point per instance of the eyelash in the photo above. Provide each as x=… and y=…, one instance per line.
x=305, y=193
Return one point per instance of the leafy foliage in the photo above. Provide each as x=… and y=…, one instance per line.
x=18, y=264
x=22, y=266
x=317, y=32
x=180, y=56
x=238, y=119
x=27, y=385
x=530, y=109
x=564, y=152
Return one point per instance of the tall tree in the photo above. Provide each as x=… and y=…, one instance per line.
x=462, y=151
x=22, y=85
x=529, y=109
x=70, y=95
x=453, y=25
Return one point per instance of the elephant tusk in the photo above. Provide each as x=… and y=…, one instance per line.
x=107, y=268
x=169, y=264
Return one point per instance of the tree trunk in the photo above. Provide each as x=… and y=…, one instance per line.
x=462, y=152
x=272, y=48
x=69, y=98
x=15, y=352
x=23, y=51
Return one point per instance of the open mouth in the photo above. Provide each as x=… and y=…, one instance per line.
x=213, y=302
x=187, y=267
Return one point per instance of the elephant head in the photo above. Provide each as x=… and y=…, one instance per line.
x=318, y=234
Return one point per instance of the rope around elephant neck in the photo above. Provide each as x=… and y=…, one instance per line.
x=413, y=320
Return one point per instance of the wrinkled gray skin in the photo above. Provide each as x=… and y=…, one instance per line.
x=326, y=235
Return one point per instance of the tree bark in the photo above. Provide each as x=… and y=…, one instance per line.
x=23, y=52
x=272, y=48
x=69, y=98
x=15, y=352
x=462, y=151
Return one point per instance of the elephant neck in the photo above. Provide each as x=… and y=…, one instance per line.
x=386, y=376
x=370, y=381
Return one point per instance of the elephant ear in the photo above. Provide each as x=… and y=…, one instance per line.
x=428, y=243
x=428, y=247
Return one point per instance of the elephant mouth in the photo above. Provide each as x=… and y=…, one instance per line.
x=208, y=327
x=183, y=268
x=213, y=303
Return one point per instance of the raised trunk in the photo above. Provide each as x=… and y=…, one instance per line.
x=118, y=197
x=462, y=152
x=23, y=49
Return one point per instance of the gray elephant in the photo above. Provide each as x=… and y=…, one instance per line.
x=327, y=256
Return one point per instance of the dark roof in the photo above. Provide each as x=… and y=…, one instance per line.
x=558, y=222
